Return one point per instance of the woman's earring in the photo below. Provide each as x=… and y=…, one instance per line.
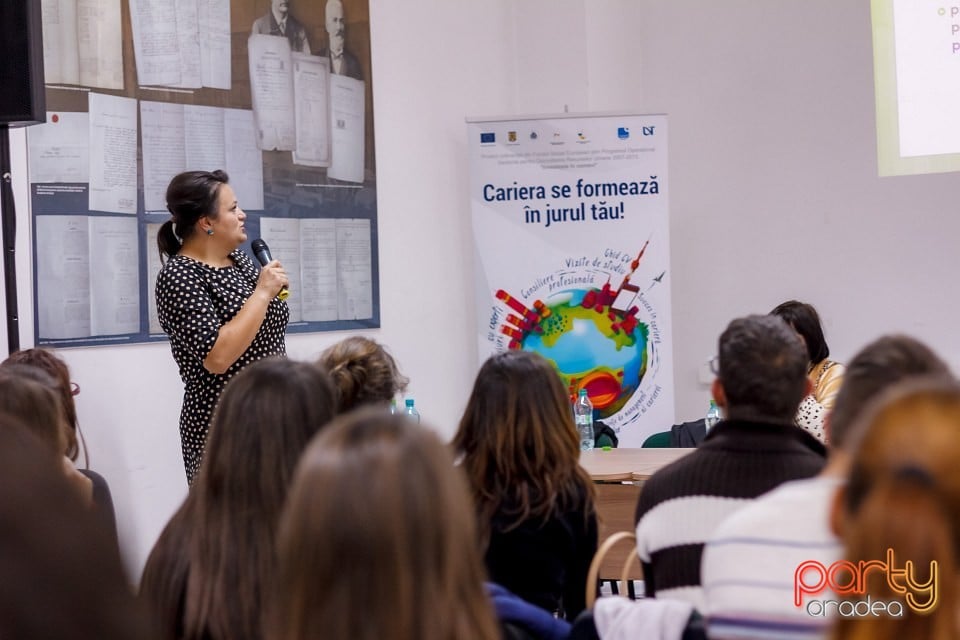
x=209, y=232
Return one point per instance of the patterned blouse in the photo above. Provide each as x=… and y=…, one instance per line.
x=193, y=301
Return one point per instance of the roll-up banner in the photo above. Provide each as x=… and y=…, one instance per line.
x=570, y=221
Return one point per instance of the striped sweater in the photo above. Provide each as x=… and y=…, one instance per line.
x=681, y=504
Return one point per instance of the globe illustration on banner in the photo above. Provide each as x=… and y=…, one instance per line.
x=590, y=351
x=592, y=336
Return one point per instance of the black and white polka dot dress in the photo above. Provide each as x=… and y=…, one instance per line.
x=193, y=301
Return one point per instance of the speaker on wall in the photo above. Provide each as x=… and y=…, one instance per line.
x=22, y=94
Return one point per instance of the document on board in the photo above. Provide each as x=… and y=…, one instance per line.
x=189, y=44
x=271, y=83
x=99, y=43
x=164, y=150
x=59, y=149
x=113, y=153
x=203, y=127
x=114, y=276
x=346, y=128
x=318, y=267
x=61, y=64
x=63, y=276
x=282, y=235
x=82, y=43
x=180, y=137
x=156, y=46
x=329, y=263
x=311, y=110
x=215, y=51
x=354, y=278
x=244, y=161
x=153, y=270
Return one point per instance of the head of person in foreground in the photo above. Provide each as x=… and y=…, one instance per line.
x=900, y=512
x=377, y=539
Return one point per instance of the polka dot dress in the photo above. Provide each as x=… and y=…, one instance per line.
x=193, y=301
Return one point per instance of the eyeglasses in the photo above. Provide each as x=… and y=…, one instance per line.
x=715, y=365
x=74, y=389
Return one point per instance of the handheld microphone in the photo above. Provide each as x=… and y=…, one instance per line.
x=262, y=252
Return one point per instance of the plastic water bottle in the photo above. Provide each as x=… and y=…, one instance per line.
x=393, y=406
x=713, y=415
x=410, y=411
x=583, y=416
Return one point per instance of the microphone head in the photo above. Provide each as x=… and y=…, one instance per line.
x=261, y=251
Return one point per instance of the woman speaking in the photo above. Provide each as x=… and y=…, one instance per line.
x=218, y=312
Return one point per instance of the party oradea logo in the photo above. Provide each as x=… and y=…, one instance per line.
x=849, y=580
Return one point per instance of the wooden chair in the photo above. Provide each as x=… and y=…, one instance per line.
x=628, y=566
x=616, y=505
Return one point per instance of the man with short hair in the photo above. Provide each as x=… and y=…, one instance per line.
x=761, y=379
x=278, y=21
x=750, y=561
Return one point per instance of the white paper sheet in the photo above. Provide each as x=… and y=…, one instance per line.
x=113, y=153
x=63, y=277
x=61, y=64
x=188, y=44
x=354, y=279
x=346, y=128
x=59, y=149
x=203, y=127
x=271, y=83
x=311, y=110
x=164, y=150
x=329, y=262
x=215, y=55
x=318, y=268
x=156, y=46
x=114, y=276
x=282, y=235
x=99, y=43
x=244, y=161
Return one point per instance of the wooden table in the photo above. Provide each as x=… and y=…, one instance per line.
x=617, y=465
x=619, y=475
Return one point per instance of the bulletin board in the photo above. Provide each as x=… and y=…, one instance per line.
x=275, y=92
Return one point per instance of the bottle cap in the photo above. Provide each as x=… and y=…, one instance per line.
x=583, y=392
x=408, y=402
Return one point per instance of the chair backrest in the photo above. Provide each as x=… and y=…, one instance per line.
x=628, y=563
x=659, y=440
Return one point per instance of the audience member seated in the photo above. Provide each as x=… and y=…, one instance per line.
x=749, y=562
x=57, y=369
x=534, y=502
x=825, y=374
x=206, y=575
x=30, y=394
x=376, y=540
x=59, y=575
x=363, y=373
x=761, y=380
x=900, y=510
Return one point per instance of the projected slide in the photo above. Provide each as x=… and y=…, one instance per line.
x=917, y=75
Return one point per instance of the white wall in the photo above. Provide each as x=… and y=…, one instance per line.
x=774, y=194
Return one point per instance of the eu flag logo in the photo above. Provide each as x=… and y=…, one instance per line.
x=488, y=138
